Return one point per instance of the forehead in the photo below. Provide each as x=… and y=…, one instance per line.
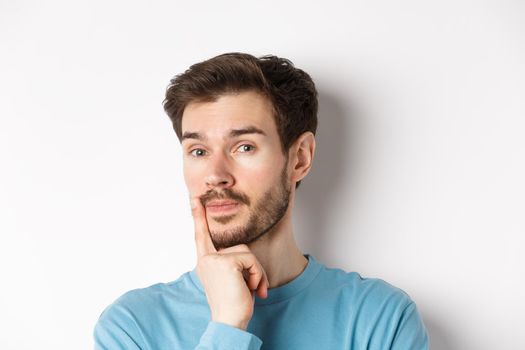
x=229, y=111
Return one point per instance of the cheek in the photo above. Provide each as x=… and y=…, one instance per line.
x=258, y=171
x=193, y=179
x=258, y=175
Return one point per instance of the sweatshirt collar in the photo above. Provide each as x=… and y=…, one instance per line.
x=283, y=292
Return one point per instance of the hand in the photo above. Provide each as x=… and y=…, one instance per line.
x=229, y=276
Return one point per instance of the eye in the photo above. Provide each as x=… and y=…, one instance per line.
x=246, y=148
x=198, y=152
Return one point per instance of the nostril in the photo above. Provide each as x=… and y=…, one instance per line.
x=219, y=180
x=222, y=183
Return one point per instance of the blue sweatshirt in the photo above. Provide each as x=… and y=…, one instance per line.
x=322, y=308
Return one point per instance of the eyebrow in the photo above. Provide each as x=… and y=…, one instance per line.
x=233, y=133
x=192, y=135
x=248, y=130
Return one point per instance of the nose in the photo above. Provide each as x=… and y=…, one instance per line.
x=219, y=174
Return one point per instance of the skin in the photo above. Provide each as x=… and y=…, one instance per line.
x=252, y=165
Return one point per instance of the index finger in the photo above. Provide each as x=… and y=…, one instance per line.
x=202, y=233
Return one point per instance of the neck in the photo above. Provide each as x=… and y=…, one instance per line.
x=279, y=254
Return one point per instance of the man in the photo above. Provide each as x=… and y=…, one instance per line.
x=247, y=127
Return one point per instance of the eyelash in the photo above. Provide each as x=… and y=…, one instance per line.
x=243, y=145
x=247, y=144
x=196, y=149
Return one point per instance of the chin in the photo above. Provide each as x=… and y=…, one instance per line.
x=220, y=231
x=225, y=236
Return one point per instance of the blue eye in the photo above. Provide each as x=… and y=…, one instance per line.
x=198, y=152
x=246, y=148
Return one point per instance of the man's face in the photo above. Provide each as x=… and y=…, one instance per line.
x=233, y=161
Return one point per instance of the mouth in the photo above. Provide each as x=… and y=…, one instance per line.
x=222, y=207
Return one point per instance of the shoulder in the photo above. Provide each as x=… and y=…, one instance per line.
x=363, y=289
x=125, y=322
x=363, y=298
x=149, y=301
x=381, y=311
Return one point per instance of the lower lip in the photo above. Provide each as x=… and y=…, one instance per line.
x=222, y=209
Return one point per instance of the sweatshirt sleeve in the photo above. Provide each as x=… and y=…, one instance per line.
x=220, y=336
x=411, y=333
x=117, y=329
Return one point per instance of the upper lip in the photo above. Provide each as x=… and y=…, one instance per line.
x=218, y=203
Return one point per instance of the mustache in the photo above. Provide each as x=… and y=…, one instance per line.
x=224, y=194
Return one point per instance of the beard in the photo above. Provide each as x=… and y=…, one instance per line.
x=264, y=215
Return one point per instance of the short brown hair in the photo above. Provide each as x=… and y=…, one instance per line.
x=290, y=90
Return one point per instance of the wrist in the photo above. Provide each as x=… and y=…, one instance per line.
x=231, y=322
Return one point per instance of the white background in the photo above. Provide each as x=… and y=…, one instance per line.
x=418, y=179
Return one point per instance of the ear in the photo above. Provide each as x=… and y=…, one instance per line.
x=302, y=155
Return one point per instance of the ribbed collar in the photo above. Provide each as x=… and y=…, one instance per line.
x=283, y=292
